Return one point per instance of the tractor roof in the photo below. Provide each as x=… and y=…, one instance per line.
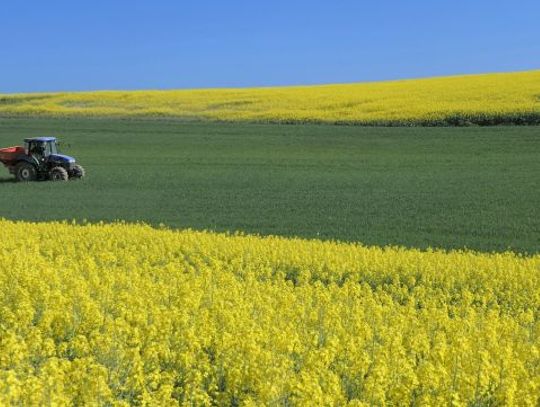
x=44, y=139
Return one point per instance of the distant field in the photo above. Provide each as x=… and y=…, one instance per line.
x=459, y=100
x=441, y=187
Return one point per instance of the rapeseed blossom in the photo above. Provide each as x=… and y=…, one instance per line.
x=458, y=100
x=120, y=314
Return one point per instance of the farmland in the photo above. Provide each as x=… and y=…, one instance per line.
x=417, y=187
x=130, y=315
x=218, y=261
x=270, y=204
x=459, y=100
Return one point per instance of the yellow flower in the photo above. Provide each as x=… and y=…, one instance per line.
x=130, y=315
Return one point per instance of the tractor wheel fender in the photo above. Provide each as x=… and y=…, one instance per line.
x=25, y=171
x=58, y=174
x=26, y=159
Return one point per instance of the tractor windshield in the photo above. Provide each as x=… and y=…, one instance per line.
x=50, y=148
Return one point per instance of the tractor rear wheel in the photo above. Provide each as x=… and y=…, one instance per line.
x=78, y=172
x=25, y=172
x=58, y=174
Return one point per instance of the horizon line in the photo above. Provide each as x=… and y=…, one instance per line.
x=316, y=84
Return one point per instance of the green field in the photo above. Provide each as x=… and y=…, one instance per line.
x=441, y=187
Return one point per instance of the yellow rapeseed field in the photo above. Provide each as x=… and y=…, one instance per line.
x=126, y=314
x=480, y=99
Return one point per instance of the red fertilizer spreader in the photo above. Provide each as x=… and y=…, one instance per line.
x=9, y=155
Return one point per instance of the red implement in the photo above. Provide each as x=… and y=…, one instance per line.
x=9, y=154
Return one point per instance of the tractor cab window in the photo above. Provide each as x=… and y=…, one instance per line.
x=37, y=149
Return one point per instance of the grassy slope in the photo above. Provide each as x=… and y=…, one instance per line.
x=474, y=187
x=459, y=100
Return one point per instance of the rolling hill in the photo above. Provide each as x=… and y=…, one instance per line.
x=490, y=99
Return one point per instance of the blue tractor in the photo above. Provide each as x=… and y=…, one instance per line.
x=39, y=160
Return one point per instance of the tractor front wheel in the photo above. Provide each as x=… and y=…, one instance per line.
x=25, y=172
x=78, y=172
x=58, y=174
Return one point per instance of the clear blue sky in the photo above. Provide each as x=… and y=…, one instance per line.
x=50, y=45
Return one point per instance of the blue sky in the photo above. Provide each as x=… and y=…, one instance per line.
x=87, y=45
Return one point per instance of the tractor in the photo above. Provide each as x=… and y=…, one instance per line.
x=39, y=160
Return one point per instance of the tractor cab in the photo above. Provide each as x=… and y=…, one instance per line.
x=40, y=146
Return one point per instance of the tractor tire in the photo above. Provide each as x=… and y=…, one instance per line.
x=78, y=172
x=58, y=174
x=25, y=172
